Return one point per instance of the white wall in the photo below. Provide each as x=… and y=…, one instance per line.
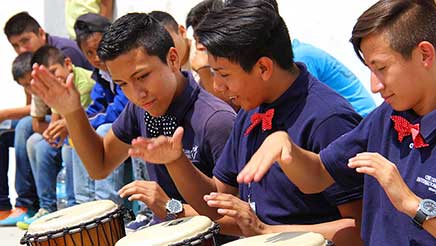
x=326, y=24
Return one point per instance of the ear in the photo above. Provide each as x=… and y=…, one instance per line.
x=68, y=64
x=427, y=51
x=173, y=60
x=265, y=67
x=41, y=34
x=182, y=31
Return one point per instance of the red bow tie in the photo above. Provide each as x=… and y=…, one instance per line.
x=257, y=118
x=405, y=128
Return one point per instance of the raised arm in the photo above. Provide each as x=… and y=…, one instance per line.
x=99, y=155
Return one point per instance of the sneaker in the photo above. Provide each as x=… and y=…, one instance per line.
x=17, y=214
x=141, y=222
x=27, y=221
x=4, y=214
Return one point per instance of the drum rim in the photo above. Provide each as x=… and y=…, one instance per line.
x=213, y=230
x=41, y=237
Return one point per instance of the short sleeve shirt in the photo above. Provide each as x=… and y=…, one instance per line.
x=207, y=122
x=313, y=115
x=382, y=224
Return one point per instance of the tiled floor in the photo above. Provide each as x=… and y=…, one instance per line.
x=10, y=236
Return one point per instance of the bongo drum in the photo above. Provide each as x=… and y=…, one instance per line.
x=92, y=223
x=196, y=230
x=284, y=239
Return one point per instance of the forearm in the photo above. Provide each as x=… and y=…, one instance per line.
x=106, y=8
x=192, y=185
x=87, y=143
x=307, y=164
x=15, y=113
x=342, y=232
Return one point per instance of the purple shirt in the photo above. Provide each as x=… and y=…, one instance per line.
x=313, y=115
x=71, y=50
x=207, y=122
x=382, y=224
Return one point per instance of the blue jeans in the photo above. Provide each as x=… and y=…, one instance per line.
x=24, y=179
x=86, y=189
x=46, y=163
x=67, y=157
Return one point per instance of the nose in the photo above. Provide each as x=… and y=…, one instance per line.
x=376, y=84
x=21, y=49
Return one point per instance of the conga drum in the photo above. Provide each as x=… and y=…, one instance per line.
x=196, y=230
x=283, y=239
x=92, y=223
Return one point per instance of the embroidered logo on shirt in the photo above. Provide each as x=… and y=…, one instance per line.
x=428, y=181
x=191, y=154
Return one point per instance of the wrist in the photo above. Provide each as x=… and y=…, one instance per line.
x=410, y=206
x=178, y=159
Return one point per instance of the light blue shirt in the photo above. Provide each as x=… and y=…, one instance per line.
x=334, y=74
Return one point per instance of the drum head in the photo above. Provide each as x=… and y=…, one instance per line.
x=169, y=232
x=282, y=239
x=72, y=216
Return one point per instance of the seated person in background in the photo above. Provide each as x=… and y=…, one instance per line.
x=140, y=56
x=21, y=70
x=187, y=50
x=108, y=101
x=256, y=69
x=44, y=152
x=26, y=35
x=392, y=152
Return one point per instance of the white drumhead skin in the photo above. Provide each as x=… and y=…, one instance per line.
x=282, y=239
x=168, y=232
x=72, y=216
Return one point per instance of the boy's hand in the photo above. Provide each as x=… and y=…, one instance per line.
x=62, y=97
x=160, y=150
x=56, y=133
x=148, y=192
x=241, y=211
x=276, y=147
x=389, y=178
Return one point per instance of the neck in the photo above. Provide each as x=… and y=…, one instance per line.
x=281, y=80
x=182, y=81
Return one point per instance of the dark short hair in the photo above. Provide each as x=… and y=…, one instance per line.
x=245, y=34
x=245, y=3
x=20, y=23
x=22, y=65
x=88, y=24
x=166, y=20
x=197, y=13
x=135, y=30
x=48, y=55
x=404, y=23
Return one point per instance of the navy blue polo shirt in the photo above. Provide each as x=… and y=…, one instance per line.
x=313, y=115
x=382, y=224
x=71, y=50
x=207, y=123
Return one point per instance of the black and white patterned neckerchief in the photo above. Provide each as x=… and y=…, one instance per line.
x=162, y=125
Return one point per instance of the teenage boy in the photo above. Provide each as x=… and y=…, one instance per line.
x=392, y=152
x=140, y=56
x=255, y=69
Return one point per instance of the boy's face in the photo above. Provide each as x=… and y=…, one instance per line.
x=25, y=82
x=146, y=80
x=242, y=88
x=61, y=71
x=28, y=41
x=399, y=81
x=89, y=48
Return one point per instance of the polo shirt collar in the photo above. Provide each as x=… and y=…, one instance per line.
x=182, y=103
